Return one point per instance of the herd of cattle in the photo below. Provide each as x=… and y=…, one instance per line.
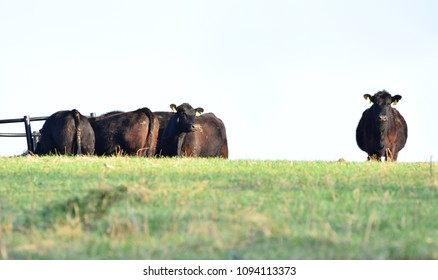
x=183, y=132
x=381, y=132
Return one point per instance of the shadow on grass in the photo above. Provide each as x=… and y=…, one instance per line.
x=87, y=209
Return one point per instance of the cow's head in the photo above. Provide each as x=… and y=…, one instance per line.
x=382, y=101
x=185, y=116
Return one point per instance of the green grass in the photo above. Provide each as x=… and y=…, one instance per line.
x=136, y=208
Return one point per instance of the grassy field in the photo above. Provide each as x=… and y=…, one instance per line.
x=136, y=208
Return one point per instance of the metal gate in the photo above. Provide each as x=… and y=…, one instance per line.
x=31, y=137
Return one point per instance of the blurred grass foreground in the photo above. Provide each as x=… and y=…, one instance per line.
x=138, y=208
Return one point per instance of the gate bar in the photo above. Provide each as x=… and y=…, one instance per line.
x=30, y=146
x=12, y=134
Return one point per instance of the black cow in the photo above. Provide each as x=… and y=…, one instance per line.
x=382, y=130
x=66, y=132
x=188, y=133
x=163, y=119
x=130, y=133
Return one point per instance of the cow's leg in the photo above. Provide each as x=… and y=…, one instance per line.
x=394, y=155
x=374, y=157
x=391, y=154
x=67, y=148
x=224, y=151
x=187, y=151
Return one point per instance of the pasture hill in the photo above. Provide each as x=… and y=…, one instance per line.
x=182, y=208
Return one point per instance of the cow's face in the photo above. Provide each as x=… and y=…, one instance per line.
x=382, y=104
x=185, y=116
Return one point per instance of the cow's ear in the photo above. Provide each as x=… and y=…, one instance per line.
x=367, y=97
x=199, y=111
x=396, y=99
x=173, y=107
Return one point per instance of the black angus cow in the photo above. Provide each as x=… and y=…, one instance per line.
x=66, y=132
x=127, y=133
x=382, y=131
x=188, y=133
x=163, y=119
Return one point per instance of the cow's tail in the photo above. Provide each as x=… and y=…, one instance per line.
x=149, y=137
x=77, y=118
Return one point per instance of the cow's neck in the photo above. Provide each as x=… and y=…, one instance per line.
x=171, y=143
x=180, y=141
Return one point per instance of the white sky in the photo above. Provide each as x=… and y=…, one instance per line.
x=286, y=77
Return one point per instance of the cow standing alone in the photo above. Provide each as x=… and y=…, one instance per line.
x=188, y=133
x=66, y=132
x=382, y=131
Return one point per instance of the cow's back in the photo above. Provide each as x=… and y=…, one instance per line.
x=105, y=129
x=60, y=132
x=53, y=134
x=209, y=139
x=127, y=133
x=88, y=138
